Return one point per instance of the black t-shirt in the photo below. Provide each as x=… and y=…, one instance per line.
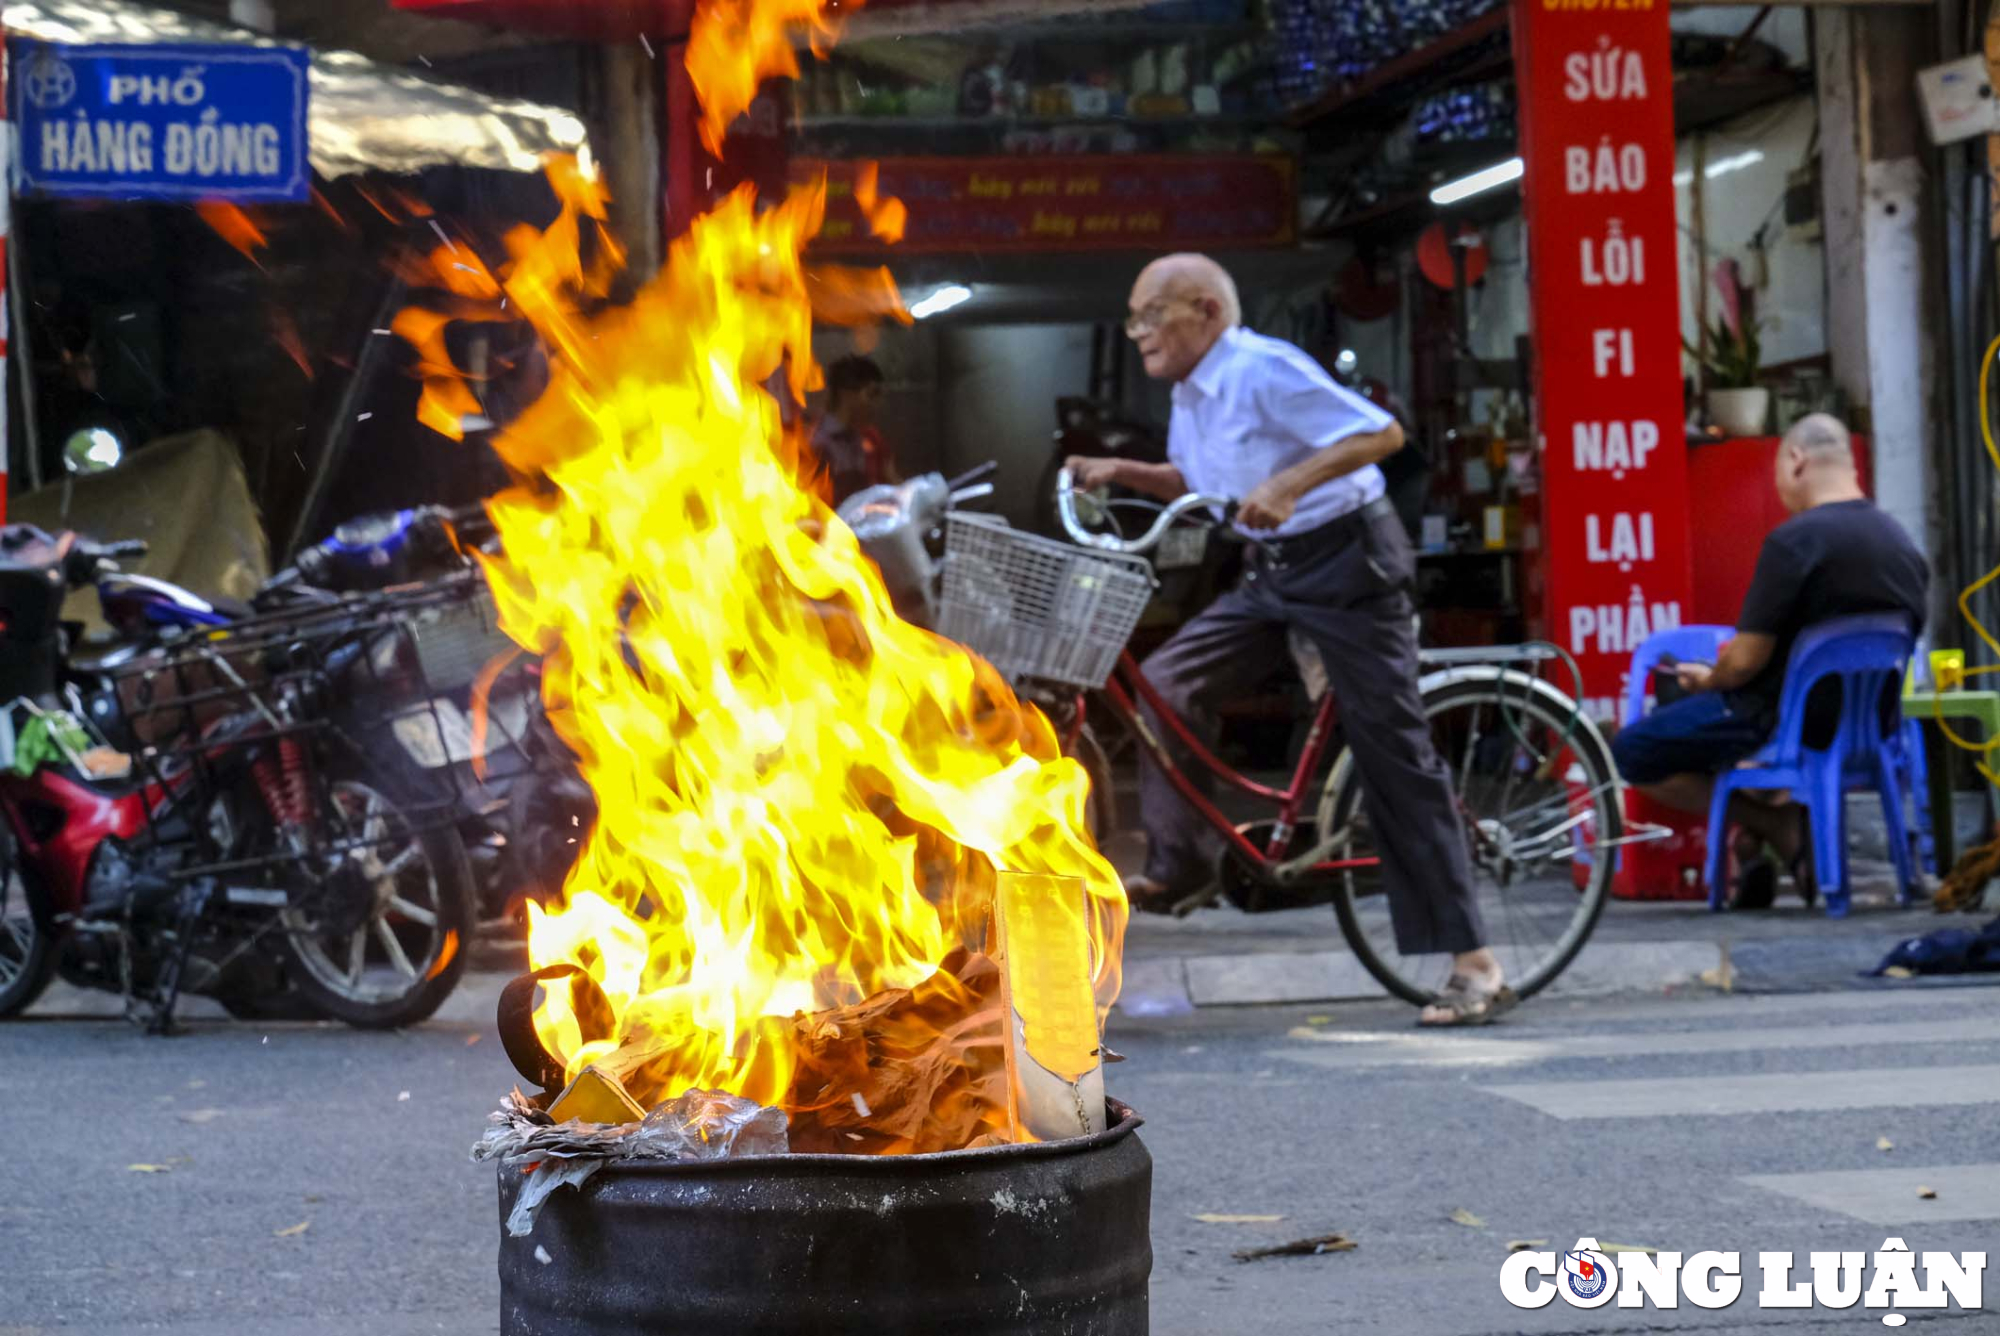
x=1843, y=559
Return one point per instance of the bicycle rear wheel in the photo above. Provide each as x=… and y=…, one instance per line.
x=1539, y=798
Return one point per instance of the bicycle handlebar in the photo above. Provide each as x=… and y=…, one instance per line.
x=1066, y=508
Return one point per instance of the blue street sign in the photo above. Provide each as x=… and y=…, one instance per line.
x=162, y=122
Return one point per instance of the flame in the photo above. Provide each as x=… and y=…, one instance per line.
x=886, y=217
x=734, y=45
x=233, y=226
x=803, y=801
x=285, y=332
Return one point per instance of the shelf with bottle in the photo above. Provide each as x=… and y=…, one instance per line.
x=1043, y=75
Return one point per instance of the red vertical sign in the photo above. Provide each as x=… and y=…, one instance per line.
x=1597, y=136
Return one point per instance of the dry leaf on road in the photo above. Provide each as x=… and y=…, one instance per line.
x=1626, y=1247
x=296, y=1230
x=1325, y=1243
x=1522, y=1245
x=1213, y=1218
x=1928, y=1194
x=1883, y=1143
x=1464, y=1217
x=149, y=1168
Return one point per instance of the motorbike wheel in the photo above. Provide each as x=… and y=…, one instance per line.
x=397, y=960
x=27, y=939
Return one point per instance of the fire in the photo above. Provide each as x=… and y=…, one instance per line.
x=803, y=801
x=233, y=226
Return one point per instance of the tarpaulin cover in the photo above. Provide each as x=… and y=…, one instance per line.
x=363, y=116
x=186, y=496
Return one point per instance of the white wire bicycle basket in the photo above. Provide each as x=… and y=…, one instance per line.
x=1035, y=607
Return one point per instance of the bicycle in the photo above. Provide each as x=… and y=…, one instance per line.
x=1540, y=797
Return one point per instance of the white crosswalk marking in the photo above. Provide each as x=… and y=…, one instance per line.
x=1889, y=1196
x=1776, y=1092
x=1342, y=1048
x=1630, y=1070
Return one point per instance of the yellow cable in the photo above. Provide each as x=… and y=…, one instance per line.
x=1986, y=748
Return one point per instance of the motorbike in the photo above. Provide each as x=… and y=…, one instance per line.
x=209, y=814
x=524, y=807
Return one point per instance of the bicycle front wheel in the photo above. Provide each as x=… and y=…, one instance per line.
x=1538, y=797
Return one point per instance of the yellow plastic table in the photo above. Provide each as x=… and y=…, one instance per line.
x=1980, y=707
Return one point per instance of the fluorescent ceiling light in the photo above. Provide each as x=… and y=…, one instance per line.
x=941, y=300
x=1451, y=192
x=1736, y=162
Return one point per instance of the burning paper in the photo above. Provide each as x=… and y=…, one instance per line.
x=804, y=801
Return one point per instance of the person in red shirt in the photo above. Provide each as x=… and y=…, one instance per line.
x=846, y=439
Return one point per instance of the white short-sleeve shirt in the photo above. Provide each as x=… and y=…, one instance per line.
x=1253, y=407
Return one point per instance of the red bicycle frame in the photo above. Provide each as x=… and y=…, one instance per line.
x=1127, y=681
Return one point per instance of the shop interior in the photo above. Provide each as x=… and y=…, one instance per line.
x=1408, y=276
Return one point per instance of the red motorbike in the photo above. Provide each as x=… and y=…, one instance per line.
x=208, y=814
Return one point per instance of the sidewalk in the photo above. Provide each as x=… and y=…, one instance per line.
x=1220, y=957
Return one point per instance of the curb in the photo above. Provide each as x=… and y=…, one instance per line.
x=1176, y=985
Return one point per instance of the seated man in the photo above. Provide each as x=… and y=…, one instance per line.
x=1838, y=556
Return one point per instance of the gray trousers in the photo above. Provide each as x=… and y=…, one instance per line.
x=1345, y=590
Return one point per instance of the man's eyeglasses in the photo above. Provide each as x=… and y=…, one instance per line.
x=1150, y=316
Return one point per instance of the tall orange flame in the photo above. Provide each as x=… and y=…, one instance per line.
x=803, y=800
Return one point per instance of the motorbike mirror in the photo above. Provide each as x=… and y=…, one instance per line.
x=93, y=450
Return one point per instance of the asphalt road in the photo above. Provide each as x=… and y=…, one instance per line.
x=1637, y=1120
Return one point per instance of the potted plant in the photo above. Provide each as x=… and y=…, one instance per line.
x=1736, y=402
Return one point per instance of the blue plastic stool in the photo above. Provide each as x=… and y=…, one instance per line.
x=1867, y=655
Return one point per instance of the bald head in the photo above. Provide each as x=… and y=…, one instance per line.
x=1821, y=437
x=1815, y=463
x=1193, y=276
x=1180, y=305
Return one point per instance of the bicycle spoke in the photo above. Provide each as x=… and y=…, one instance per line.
x=1471, y=750
x=357, y=952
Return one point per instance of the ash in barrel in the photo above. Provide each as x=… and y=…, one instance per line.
x=698, y=1125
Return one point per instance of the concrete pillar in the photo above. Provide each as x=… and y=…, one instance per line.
x=1882, y=310
x=626, y=139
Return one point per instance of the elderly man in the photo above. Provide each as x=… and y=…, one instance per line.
x=1257, y=419
x=1838, y=556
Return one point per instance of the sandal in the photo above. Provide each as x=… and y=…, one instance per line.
x=1470, y=1003
x=1148, y=896
x=1756, y=885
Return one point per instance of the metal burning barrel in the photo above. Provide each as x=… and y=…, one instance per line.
x=1045, y=1239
